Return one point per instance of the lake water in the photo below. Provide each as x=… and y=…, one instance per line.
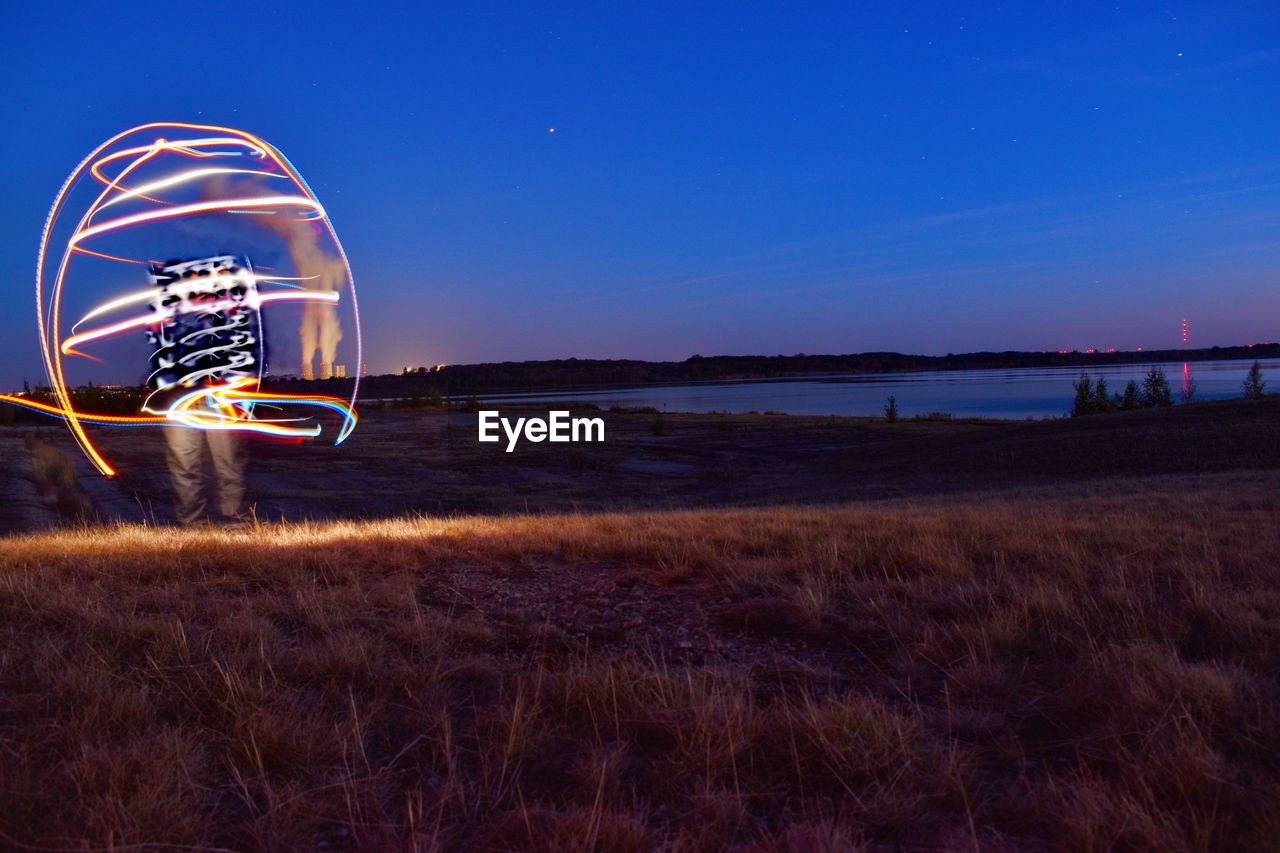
x=1014, y=393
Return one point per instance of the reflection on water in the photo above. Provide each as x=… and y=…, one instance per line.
x=1012, y=393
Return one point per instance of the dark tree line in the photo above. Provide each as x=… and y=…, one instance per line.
x=457, y=380
x=1094, y=397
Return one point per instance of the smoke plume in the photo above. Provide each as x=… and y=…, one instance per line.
x=320, y=330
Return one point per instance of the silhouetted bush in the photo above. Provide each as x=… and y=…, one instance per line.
x=1092, y=397
x=1101, y=401
x=1155, y=389
x=1083, y=404
x=1254, y=387
x=1132, y=397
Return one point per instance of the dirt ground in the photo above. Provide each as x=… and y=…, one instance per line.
x=1069, y=622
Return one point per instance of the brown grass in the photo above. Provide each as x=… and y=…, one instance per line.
x=1066, y=671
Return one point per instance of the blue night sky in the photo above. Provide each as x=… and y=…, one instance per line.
x=920, y=177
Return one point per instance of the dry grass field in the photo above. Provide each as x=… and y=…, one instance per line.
x=1072, y=667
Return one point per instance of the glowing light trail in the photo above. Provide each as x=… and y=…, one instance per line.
x=144, y=295
x=225, y=406
x=198, y=207
x=185, y=177
x=46, y=409
x=83, y=251
x=72, y=342
x=220, y=401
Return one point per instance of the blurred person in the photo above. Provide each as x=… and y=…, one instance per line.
x=205, y=339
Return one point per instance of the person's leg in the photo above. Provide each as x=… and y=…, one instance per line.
x=185, y=458
x=229, y=452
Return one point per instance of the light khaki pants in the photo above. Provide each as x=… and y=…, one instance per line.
x=227, y=456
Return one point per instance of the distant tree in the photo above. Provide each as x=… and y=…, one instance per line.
x=891, y=409
x=1254, y=387
x=435, y=400
x=1155, y=389
x=1101, y=399
x=1132, y=396
x=1083, y=404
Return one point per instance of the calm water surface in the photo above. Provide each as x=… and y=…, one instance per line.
x=1014, y=393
